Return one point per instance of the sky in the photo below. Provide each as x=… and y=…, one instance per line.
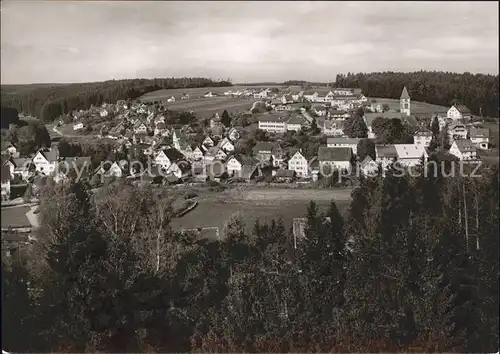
x=64, y=41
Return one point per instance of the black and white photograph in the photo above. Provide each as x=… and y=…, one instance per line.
x=250, y=176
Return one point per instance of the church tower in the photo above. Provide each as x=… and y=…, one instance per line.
x=404, y=102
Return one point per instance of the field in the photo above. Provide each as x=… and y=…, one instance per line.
x=265, y=204
x=416, y=107
x=204, y=106
x=15, y=217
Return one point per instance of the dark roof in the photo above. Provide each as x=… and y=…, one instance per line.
x=296, y=120
x=465, y=145
x=265, y=146
x=462, y=108
x=339, y=140
x=404, y=94
x=51, y=155
x=479, y=132
x=334, y=154
x=387, y=151
x=173, y=154
x=284, y=173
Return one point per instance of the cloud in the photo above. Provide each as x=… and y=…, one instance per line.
x=247, y=41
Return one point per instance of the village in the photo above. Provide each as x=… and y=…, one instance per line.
x=175, y=153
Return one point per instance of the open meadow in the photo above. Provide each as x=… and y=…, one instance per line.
x=416, y=107
x=205, y=107
x=265, y=204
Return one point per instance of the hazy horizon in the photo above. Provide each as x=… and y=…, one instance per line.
x=66, y=42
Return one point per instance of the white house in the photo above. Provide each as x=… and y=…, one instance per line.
x=185, y=96
x=208, y=142
x=171, y=99
x=352, y=143
x=457, y=131
x=368, y=167
x=261, y=94
x=103, y=113
x=422, y=137
x=209, y=94
x=298, y=163
x=233, y=165
x=6, y=177
x=457, y=112
x=333, y=127
x=19, y=166
x=272, y=123
x=480, y=137
x=78, y=126
x=233, y=134
x=162, y=160
x=140, y=127
x=198, y=153
x=226, y=145
x=464, y=149
x=410, y=154
x=45, y=161
x=335, y=158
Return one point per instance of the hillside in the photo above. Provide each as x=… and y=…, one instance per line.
x=48, y=101
x=478, y=92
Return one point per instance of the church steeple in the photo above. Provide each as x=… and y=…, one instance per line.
x=404, y=102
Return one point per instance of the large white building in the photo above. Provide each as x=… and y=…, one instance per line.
x=480, y=137
x=272, y=124
x=458, y=112
x=410, y=154
x=298, y=163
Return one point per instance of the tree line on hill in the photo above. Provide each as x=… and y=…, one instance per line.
x=49, y=102
x=412, y=266
x=478, y=92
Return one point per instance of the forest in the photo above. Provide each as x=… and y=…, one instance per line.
x=413, y=266
x=48, y=102
x=478, y=92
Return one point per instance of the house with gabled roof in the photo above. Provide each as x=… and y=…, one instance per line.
x=161, y=159
x=208, y=142
x=334, y=127
x=114, y=170
x=140, y=127
x=298, y=163
x=339, y=158
x=198, y=153
x=215, y=153
x=185, y=96
x=368, y=167
x=236, y=163
x=459, y=112
x=226, y=145
x=457, y=131
x=233, y=134
x=480, y=137
x=46, y=161
x=464, y=150
x=422, y=137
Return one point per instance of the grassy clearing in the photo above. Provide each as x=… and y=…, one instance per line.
x=265, y=204
x=196, y=92
x=416, y=107
x=15, y=217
